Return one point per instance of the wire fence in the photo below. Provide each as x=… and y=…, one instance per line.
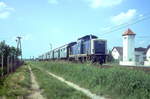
x=9, y=65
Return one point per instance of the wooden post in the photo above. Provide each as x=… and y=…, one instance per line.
x=2, y=64
x=11, y=64
x=14, y=63
x=8, y=65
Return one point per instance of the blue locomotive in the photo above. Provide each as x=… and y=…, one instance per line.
x=87, y=48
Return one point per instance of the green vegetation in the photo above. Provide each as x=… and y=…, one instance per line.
x=7, y=50
x=117, y=82
x=16, y=84
x=8, y=55
x=53, y=88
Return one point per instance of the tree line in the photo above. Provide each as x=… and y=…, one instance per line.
x=8, y=54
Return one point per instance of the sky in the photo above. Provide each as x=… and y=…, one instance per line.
x=42, y=23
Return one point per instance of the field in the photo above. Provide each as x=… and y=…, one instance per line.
x=18, y=86
x=115, y=82
x=111, y=83
x=54, y=89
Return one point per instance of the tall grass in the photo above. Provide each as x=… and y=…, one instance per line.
x=16, y=84
x=117, y=82
x=53, y=88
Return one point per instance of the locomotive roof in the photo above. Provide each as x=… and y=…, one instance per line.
x=88, y=37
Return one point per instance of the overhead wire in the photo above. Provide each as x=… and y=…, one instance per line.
x=123, y=25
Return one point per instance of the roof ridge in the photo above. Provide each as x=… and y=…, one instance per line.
x=128, y=32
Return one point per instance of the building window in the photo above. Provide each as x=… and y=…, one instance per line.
x=130, y=59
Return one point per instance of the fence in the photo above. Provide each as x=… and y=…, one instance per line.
x=9, y=65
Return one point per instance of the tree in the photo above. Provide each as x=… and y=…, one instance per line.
x=6, y=51
x=109, y=57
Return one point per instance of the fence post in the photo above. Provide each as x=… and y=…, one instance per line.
x=11, y=64
x=8, y=65
x=2, y=62
x=14, y=63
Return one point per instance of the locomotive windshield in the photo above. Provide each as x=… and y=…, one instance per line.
x=99, y=47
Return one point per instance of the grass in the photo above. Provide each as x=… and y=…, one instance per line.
x=116, y=82
x=53, y=88
x=16, y=84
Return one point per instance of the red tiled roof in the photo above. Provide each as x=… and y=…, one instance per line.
x=128, y=32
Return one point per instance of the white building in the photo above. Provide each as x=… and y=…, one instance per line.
x=147, y=62
x=117, y=53
x=140, y=56
x=128, y=48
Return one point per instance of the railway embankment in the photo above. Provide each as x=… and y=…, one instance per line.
x=114, y=83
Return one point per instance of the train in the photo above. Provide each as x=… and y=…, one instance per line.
x=86, y=48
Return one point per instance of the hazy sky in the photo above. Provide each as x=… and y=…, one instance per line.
x=41, y=22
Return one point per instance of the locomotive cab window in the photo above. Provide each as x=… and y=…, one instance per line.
x=99, y=47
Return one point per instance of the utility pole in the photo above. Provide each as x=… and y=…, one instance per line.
x=18, y=40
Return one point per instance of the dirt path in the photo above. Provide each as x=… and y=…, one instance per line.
x=35, y=90
x=85, y=91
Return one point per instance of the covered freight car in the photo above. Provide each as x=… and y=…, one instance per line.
x=63, y=52
x=56, y=53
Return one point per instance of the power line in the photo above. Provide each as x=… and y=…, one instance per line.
x=136, y=18
x=129, y=24
x=121, y=26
